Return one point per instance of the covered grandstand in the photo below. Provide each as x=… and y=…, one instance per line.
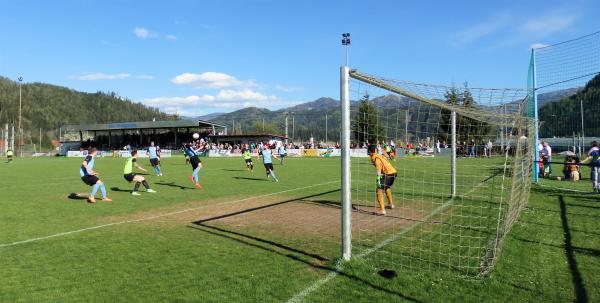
x=134, y=135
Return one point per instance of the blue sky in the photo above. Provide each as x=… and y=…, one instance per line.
x=198, y=57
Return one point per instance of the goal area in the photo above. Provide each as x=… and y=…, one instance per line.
x=463, y=158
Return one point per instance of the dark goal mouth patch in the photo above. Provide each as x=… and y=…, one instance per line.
x=387, y=273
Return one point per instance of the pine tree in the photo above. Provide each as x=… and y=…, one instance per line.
x=367, y=127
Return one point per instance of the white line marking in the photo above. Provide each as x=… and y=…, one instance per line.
x=158, y=216
x=338, y=266
x=566, y=189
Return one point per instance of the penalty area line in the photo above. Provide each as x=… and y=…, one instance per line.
x=159, y=216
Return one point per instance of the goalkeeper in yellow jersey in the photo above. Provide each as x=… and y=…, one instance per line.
x=386, y=174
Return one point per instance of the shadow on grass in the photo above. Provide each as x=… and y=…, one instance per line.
x=199, y=222
x=121, y=190
x=587, y=251
x=246, y=240
x=252, y=179
x=172, y=184
x=77, y=196
x=580, y=291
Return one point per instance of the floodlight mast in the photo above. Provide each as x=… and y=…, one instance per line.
x=346, y=44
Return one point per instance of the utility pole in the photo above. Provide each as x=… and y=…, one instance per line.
x=233, y=127
x=293, y=128
x=286, y=127
x=263, y=125
x=40, y=139
x=582, y=128
x=406, y=124
x=19, y=127
x=326, y=128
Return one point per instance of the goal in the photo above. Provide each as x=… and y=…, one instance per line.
x=463, y=159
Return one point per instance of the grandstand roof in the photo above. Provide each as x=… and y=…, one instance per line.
x=143, y=125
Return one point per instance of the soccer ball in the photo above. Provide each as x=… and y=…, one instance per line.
x=196, y=136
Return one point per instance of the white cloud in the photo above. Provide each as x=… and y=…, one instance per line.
x=287, y=89
x=549, y=23
x=509, y=29
x=224, y=100
x=483, y=29
x=102, y=76
x=144, y=33
x=212, y=80
x=538, y=45
x=171, y=37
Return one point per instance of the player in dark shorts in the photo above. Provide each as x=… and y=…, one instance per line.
x=268, y=162
x=282, y=153
x=90, y=177
x=386, y=174
x=154, y=156
x=248, y=158
x=196, y=164
x=130, y=176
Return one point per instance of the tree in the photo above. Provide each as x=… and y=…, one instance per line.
x=367, y=128
x=467, y=128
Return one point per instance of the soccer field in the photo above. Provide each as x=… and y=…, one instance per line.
x=244, y=238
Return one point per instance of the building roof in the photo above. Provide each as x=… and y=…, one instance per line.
x=248, y=136
x=143, y=125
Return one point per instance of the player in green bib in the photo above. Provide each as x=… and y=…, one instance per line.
x=248, y=158
x=130, y=176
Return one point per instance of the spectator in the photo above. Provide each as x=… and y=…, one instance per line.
x=546, y=159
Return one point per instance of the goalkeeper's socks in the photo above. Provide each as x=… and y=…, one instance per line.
x=380, y=200
x=146, y=185
x=388, y=193
x=136, y=187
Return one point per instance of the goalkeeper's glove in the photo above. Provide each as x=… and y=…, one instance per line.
x=378, y=180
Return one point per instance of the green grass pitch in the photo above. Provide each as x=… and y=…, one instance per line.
x=246, y=239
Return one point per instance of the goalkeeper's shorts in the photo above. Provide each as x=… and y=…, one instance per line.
x=387, y=181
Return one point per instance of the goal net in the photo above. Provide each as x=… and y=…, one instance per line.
x=453, y=204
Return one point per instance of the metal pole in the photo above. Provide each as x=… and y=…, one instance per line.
x=326, y=128
x=293, y=128
x=345, y=140
x=233, y=127
x=536, y=125
x=19, y=127
x=406, y=124
x=263, y=124
x=502, y=136
x=40, y=139
x=12, y=139
x=453, y=161
x=582, y=128
x=6, y=138
x=286, y=128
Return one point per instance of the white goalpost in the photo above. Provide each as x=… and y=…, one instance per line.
x=463, y=162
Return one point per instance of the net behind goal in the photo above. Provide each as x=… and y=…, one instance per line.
x=463, y=162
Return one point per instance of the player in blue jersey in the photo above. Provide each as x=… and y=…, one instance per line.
x=282, y=153
x=153, y=154
x=268, y=162
x=196, y=164
x=90, y=177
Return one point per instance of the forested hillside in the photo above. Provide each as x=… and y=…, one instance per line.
x=48, y=107
x=563, y=118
